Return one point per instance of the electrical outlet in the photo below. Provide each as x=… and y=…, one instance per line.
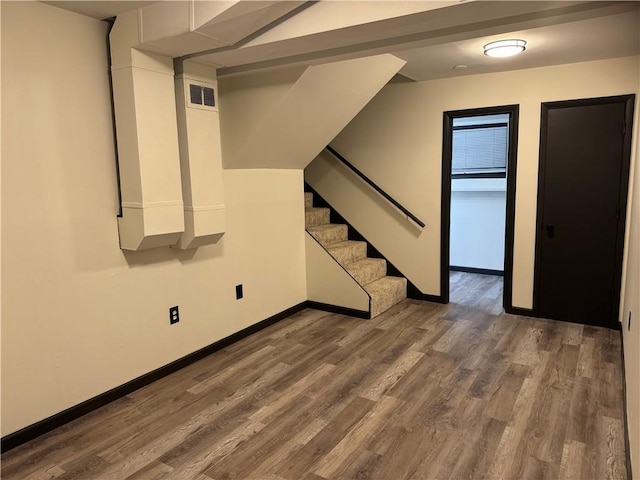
x=174, y=315
x=239, y=293
x=629, y=322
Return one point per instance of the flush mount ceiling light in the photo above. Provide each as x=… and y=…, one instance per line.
x=504, y=48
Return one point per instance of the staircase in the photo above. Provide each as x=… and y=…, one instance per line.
x=370, y=273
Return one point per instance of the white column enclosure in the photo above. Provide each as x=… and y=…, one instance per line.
x=200, y=158
x=146, y=128
x=156, y=145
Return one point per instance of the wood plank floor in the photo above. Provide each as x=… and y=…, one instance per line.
x=423, y=391
x=477, y=290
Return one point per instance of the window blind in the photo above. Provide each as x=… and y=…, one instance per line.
x=479, y=150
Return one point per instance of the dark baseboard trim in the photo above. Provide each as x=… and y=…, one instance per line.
x=525, y=312
x=351, y=312
x=415, y=294
x=48, y=424
x=483, y=271
x=627, y=446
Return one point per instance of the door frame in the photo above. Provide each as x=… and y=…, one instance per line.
x=445, y=219
x=629, y=101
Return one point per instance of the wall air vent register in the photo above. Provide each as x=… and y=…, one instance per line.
x=201, y=96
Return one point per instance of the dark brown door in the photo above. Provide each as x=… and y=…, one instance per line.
x=584, y=169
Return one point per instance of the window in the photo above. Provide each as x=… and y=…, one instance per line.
x=480, y=146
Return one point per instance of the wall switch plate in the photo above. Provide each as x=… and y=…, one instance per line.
x=239, y=293
x=174, y=315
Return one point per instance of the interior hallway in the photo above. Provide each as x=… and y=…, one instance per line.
x=480, y=291
x=422, y=391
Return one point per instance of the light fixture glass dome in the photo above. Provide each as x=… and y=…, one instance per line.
x=505, y=48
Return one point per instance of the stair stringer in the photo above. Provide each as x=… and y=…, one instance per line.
x=328, y=283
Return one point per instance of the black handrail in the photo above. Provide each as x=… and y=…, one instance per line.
x=376, y=187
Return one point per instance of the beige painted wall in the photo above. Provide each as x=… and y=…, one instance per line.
x=631, y=303
x=247, y=98
x=328, y=282
x=397, y=141
x=305, y=117
x=79, y=316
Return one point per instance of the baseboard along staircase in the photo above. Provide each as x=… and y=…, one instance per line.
x=370, y=273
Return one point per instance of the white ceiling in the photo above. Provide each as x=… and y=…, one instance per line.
x=99, y=9
x=602, y=32
x=592, y=39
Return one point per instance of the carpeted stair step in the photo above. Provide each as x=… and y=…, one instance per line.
x=385, y=293
x=367, y=270
x=316, y=216
x=348, y=252
x=370, y=273
x=329, y=234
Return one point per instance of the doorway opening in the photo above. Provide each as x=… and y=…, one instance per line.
x=478, y=197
